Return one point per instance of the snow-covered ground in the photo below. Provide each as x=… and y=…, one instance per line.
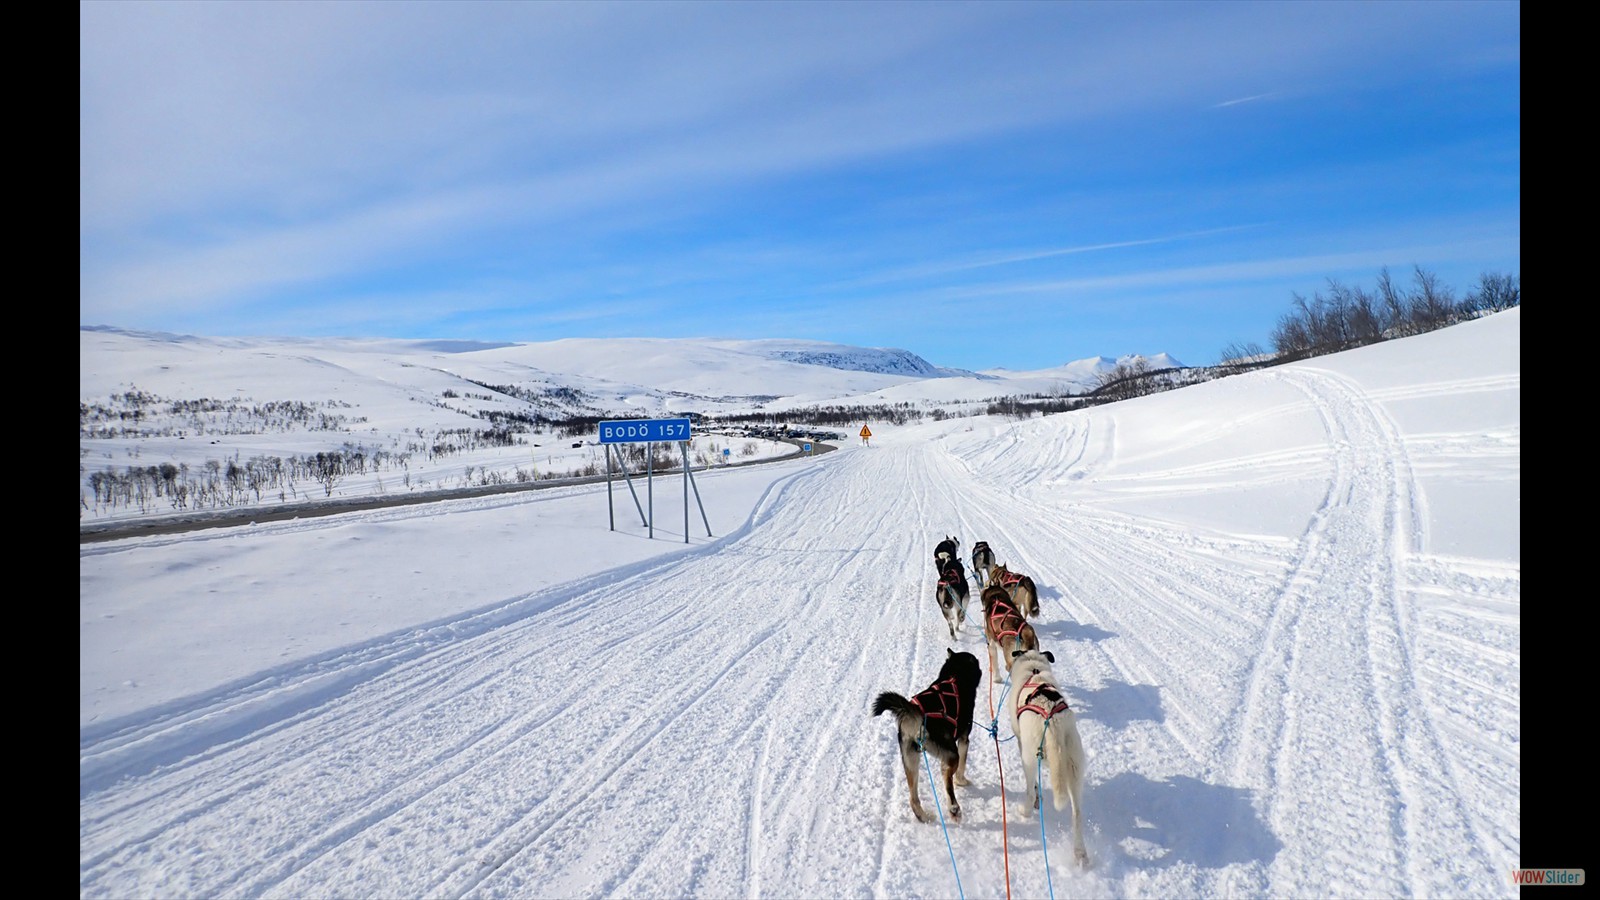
x=1285, y=605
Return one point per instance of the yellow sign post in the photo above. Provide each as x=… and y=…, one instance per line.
x=866, y=434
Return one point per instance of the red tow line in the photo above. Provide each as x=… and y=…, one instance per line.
x=1005, y=833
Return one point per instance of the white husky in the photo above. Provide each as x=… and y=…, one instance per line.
x=1046, y=727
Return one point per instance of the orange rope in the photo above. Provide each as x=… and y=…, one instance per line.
x=1005, y=834
x=992, y=716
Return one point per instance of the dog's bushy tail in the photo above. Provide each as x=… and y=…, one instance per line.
x=908, y=716
x=890, y=701
x=1066, y=760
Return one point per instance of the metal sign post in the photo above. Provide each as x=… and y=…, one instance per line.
x=623, y=468
x=689, y=479
x=650, y=431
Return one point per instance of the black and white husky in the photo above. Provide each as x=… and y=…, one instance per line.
x=1047, y=729
x=945, y=551
x=952, y=592
x=982, y=562
x=939, y=721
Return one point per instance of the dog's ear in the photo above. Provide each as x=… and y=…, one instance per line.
x=1017, y=653
x=948, y=653
x=1050, y=656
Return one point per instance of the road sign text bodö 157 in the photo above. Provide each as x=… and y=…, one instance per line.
x=633, y=431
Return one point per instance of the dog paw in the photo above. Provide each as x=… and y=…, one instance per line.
x=922, y=815
x=1082, y=856
x=955, y=812
x=963, y=781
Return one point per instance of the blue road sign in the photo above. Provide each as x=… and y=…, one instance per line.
x=638, y=431
x=808, y=448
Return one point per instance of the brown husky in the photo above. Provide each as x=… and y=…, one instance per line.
x=1004, y=627
x=1019, y=586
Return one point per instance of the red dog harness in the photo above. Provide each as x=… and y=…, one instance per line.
x=1008, y=578
x=1001, y=613
x=1040, y=687
x=938, y=703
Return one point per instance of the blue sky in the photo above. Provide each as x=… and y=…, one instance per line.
x=984, y=184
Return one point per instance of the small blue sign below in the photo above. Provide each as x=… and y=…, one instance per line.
x=638, y=431
x=808, y=448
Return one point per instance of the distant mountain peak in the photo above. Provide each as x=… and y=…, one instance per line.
x=1107, y=363
x=863, y=359
x=848, y=357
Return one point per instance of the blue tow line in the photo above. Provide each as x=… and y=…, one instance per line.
x=1038, y=786
x=1038, y=795
x=934, y=787
x=994, y=723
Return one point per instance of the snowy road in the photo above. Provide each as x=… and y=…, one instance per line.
x=1295, y=701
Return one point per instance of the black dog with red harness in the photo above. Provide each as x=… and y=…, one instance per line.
x=952, y=592
x=937, y=720
x=982, y=562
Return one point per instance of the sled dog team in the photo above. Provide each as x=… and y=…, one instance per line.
x=939, y=719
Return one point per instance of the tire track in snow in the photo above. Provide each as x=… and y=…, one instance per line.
x=843, y=751
x=920, y=538
x=226, y=772
x=1431, y=812
x=993, y=512
x=1079, y=555
x=772, y=809
x=731, y=560
x=572, y=797
x=1101, y=591
x=195, y=793
x=460, y=760
x=1321, y=659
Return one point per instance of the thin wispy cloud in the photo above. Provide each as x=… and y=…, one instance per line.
x=1250, y=99
x=935, y=270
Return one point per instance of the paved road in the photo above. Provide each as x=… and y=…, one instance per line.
x=92, y=532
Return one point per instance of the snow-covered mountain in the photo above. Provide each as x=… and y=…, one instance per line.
x=635, y=376
x=883, y=360
x=1086, y=371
